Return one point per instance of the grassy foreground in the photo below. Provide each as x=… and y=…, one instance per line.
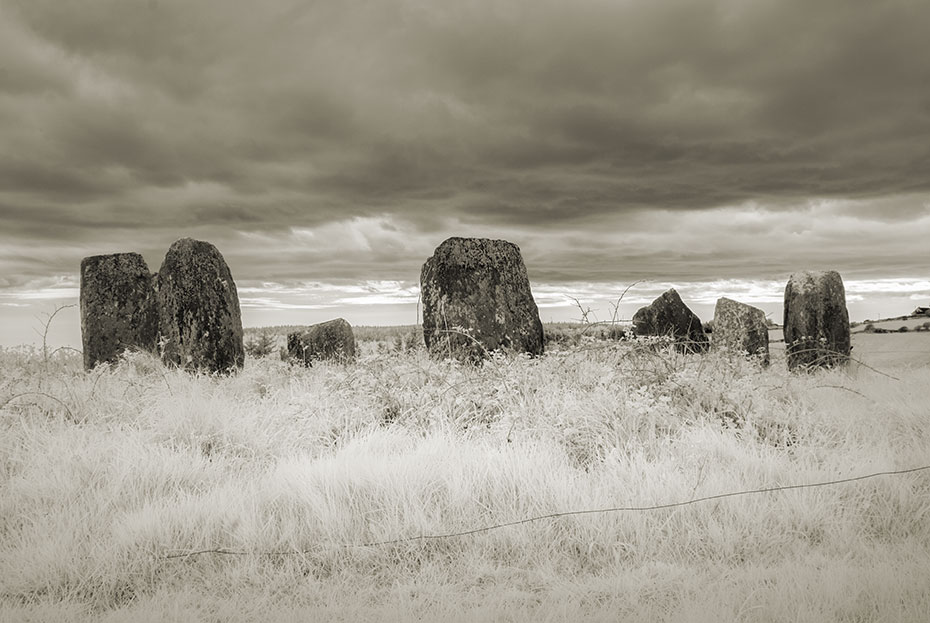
x=109, y=479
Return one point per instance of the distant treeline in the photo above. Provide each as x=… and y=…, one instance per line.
x=362, y=333
x=558, y=332
x=260, y=340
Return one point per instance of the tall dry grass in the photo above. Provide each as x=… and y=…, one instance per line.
x=281, y=475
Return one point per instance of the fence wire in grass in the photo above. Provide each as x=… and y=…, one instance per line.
x=528, y=520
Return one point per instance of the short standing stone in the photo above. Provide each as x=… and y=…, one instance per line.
x=117, y=307
x=476, y=299
x=669, y=316
x=741, y=328
x=816, y=320
x=332, y=340
x=199, y=321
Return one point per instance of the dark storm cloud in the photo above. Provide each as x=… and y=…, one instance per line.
x=140, y=121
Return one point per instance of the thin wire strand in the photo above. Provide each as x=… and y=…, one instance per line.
x=518, y=522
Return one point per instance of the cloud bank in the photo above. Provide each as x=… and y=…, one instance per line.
x=339, y=143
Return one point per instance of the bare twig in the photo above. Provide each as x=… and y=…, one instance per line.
x=44, y=395
x=48, y=323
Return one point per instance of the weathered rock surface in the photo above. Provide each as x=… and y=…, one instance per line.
x=117, y=307
x=741, y=328
x=816, y=321
x=199, y=321
x=327, y=341
x=669, y=316
x=476, y=299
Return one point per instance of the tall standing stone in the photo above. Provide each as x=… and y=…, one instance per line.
x=816, y=320
x=332, y=340
x=476, y=298
x=669, y=316
x=199, y=322
x=741, y=328
x=117, y=307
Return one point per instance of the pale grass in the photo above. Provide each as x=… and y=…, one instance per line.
x=299, y=483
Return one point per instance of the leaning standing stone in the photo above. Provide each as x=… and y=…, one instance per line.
x=199, y=321
x=669, y=316
x=117, y=307
x=476, y=299
x=741, y=328
x=332, y=340
x=816, y=320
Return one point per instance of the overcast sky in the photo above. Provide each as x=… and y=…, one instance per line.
x=327, y=147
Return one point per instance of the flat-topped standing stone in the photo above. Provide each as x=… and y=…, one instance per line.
x=117, y=307
x=332, y=340
x=816, y=320
x=199, y=321
x=669, y=316
x=741, y=328
x=476, y=299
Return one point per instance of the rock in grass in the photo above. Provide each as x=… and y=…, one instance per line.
x=328, y=341
x=668, y=316
x=476, y=299
x=816, y=320
x=741, y=328
x=117, y=307
x=199, y=321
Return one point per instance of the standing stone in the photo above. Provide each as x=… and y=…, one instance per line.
x=332, y=340
x=741, y=328
x=816, y=320
x=199, y=321
x=476, y=299
x=117, y=307
x=669, y=316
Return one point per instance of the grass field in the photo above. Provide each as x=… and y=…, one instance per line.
x=141, y=493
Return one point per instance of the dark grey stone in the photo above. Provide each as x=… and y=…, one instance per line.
x=668, y=316
x=816, y=321
x=327, y=341
x=476, y=299
x=117, y=307
x=199, y=321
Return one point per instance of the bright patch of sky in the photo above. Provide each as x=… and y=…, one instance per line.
x=396, y=302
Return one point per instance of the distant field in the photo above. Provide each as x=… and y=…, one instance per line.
x=383, y=339
x=892, y=350
x=880, y=349
x=283, y=493
x=893, y=325
x=886, y=349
